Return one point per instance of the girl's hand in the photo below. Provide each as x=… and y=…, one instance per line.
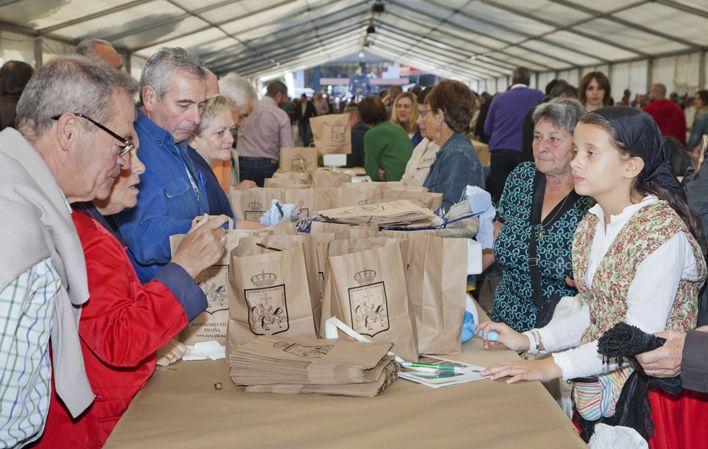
x=508, y=337
x=543, y=370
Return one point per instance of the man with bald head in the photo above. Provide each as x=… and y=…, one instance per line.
x=667, y=115
x=100, y=49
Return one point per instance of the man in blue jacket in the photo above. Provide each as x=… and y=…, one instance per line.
x=172, y=189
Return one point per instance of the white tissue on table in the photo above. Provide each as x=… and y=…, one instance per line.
x=481, y=204
x=203, y=350
x=277, y=213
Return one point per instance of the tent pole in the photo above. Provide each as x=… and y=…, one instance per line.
x=702, y=71
x=38, y=50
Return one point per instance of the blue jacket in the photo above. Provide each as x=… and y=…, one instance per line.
x=168, y=199
x=218, y=201
x=456, y=166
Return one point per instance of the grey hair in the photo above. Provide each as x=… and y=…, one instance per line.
x=87, y=46
x=563, y=113
x=70, y=84
x=159, y=68
x=238, y=90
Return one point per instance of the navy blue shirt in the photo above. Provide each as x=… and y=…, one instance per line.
x=218, y=201
x=456, y=166
x=172, y=193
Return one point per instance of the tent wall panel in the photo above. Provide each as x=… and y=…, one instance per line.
x=15, y=46
x=678, y=73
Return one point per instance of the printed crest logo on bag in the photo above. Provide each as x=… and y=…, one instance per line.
x=337, y=133
x=308, y=352
x=254, y=212
x=368, y=304
x=363, y=202
x=298, y=164
x=267, y=305
x=213, y=281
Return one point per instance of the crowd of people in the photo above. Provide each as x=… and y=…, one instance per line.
x=594, y=225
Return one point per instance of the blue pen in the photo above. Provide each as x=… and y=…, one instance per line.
x=202, y=181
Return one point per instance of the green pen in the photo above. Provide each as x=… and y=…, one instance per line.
x=434, y=366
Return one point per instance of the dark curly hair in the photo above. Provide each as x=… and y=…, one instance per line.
x=457, y=102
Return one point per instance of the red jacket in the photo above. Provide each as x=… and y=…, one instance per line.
x=121, y=327
x=669, y=117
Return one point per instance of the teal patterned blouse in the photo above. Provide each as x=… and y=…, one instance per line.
x=513, y=299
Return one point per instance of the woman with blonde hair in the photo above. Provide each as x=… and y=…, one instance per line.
x=211, y=142
x=405, y=113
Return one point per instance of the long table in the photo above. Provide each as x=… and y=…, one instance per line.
x=183, y=406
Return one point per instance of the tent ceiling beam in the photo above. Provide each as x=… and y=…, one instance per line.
x=242, y=65
x=96, y=15
x=464, y=62
x=455, y=36
x=396, y=49
x=698, y=11
x=560, y=27
x=251, y=69
x=278, y=37
x=490, y=36
x=223, y=22
x=627, y=23
x=528, y=37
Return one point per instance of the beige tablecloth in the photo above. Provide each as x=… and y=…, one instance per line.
x=180, y=408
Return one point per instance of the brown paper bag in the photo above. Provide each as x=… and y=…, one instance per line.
x=328, y=178
x=321, y=242
x=298, y=159
x=214, y=282
x=271, y=293
x=371, y=294
x=444, y=288
x=428, y=200
x=289, y=180
x=309, y=201
x=436, y=281
x=343, y=231
x=311, y=266
x=251, y=204
x=331, y=134
x=358, y=194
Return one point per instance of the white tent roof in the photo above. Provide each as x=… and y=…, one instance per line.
x=464, y=39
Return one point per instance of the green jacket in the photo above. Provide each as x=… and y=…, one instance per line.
x=386, y=147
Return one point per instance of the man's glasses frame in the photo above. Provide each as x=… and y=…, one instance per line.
x=127, y=146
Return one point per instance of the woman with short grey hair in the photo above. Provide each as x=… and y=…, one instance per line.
x=536, y=219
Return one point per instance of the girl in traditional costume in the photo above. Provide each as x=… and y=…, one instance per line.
x=638, y=258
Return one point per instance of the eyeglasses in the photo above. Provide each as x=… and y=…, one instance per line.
x=123, y=150
x=423, y=112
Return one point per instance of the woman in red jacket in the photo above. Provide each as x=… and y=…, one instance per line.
x=124, y=322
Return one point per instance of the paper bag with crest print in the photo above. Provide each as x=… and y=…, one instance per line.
x=251, y=204
x=309, y=201
x=283, y=241
x=214, y=282
x=321, y=243
x=371, y=293
x=331, y=134
x=298, y=159
x=271, y=292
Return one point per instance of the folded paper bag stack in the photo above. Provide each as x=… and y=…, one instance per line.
x=269, y=364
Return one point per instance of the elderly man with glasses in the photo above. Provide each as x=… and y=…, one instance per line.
x=56, y=156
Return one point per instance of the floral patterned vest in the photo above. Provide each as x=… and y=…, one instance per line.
x=644, y=233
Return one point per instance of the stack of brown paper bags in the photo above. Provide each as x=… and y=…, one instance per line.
x=268, y=364
x=393, y=213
